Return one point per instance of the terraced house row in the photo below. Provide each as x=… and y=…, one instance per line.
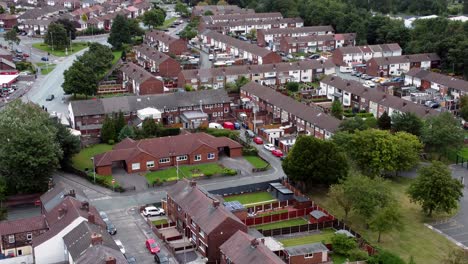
x=245, y=26
x=271, y=37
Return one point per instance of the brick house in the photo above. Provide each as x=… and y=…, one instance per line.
x=245, y=26
x=242, y=248
x=139, y=81
x=315, y=253
x=156, y=61
x=219, y=10
x=239, y=49
x=285, y=110
x=272, y=37
x=315, y=43
x=7, y=21
x=156, y=153
x=269, y=74
x=350, y=55
x=201, y=218
x=17, y=235
x=87, y=115
x=6, y=61
x=240, y=17
x=398, y=65
x=165, y=42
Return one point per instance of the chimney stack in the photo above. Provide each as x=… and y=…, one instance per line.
x=91, y=218
x=111, y=260
x=254, y=243
x=96, y=239
x=62, y=212
x=85, y=206
x=263, y=241
x=193, y=183
x=215, y=203
x=72, y=193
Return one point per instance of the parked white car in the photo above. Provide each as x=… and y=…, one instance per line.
x=153, y=211
x=215, y=125
x=120, y=245
x=369, y=84
x=269, y=147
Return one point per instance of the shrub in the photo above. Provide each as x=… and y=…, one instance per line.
x=251, y=151
x=111, y=142
x=208, y=174
x=229, y=172
x=342, y=244
x=357, y=254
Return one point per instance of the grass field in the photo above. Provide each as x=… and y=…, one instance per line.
x=285, y=223
x=250, y=198
x=160, y=222
x=45, y=68
x=167, y=23
x=325, y=235
x=256, y=161
x=82, y=160
x=184, y=172
x=77, y=46
x=425, y=245
x=117, y=55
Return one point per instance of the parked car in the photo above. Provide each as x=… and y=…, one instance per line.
x=237, y=126
x=258, y=140
x=363, y=76
x=153, y=211
x=152, y=246
x=111, y=229
x=215, y=125
x=269, y=147
x=50, y=97
x=368, y=78
x=376, y=79
x=45, y=59
x=229, y=125
x=161, y=259
x=358, y=74
x=277, y=153
x=369, y=84
x=103, y=216
x=131, y=259
x=120, y=245
x=249, y=133
x=25, y=55
x=314, y=56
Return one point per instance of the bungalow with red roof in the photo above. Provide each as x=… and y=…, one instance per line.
x=202, y=219
x=156, y=153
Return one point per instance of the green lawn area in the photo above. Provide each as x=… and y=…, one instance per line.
x=167, y=23
x=285, y=223
x=45, y=68
x=184, y=172
x=76, y=46
x=82, y=160
x=160, y=222
x=250, y=198
x=256, y=161
x=117, y=55
x=324, y=235
x=425, y=245
x=275, y=212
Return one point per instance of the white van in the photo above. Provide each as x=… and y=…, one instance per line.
x=346, y=69
x=215, y=126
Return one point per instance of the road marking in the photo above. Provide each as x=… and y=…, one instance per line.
x=101, y=198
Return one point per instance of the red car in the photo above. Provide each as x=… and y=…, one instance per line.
x=277, y=153
x=152, y=246
x=258, y=140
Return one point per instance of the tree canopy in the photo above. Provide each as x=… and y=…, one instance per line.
x=315, y=161
x=337, y=109
x=120, y=33
x=408, y=122
x=57, y=36
x=69, y=27
x=12, y=37
x=384, y=122
x=154, y=18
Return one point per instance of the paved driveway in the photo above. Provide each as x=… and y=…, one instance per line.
x=130, y=180
x=238, y=164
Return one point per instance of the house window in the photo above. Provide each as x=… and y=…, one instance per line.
x=135, y=166
x=211, y=155
x=150, y=164
x=20, y=252
x=164, y=160
x=226, y=110
x=29, y=236
x=309, y=255
x=202, y=234
x=182, y=158
x=197, y=157
x=11, y=239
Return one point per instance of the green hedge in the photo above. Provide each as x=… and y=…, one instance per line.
x=251, y=151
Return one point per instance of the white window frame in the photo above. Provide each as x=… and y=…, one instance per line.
x=182, y=158
x=211, y=156
x=164, y=160
x=150, y=164
x=29, y=236
x=136, y=166
x=197, y=157
x=11, y=239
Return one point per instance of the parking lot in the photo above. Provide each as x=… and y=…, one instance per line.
x=133, y=231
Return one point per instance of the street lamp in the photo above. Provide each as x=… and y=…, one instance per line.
x=94, y=170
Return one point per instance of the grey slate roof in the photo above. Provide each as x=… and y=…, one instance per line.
x=317, y=214
x=306, y=249
x=38, y=12
x=134, y=103
x=297, y=30
x=98, y=255
x=438, y=78
x=407, y=58
x=54, y=196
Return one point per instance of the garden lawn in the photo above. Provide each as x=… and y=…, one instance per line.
x=117, y=56
x=325, y=235
x=275, y=212
x=286, y=223
x=167, y=23
x=160, y=222
x=82, y=160
x=425, y=245
x=250, y=198
x=256, y=161
x=184, y=172
x=76, y=46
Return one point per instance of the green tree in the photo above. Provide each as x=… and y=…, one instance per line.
x=69, y=27
x=442, y=133
x=150, y=128
x=292, y=86
x=182, y=9
x=385, y=257
x=455, y=256
x=407, y=122
x=222, y=2
x=384, y=122
x=98, y=58
x=252, y=34
x=337, y=109
x=315, y=161
x=409, y=150
x=120, y=33
x=154, y=18
x=386, y=219
x=241, y=81
x=126, y=132
x=352, y=124
x=342, y=244
x=188, y=33
x=108, y=134
x=12, y=37
x=464, y=106
x=29, y=152
x=80, y=79
x=207, y=12
x=465, y=7
x=2, y=10
x=338, y=196
x=119, y=122
x=3, y=191
x=435, y=189
x=57, y=36
x=134, y=28
x=69, y=144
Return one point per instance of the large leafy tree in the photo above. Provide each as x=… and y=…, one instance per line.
x=69, y=144
x=80, y=79
x=384, y=122
x=126, y=132
x=120, y=33
x=12, y=37
x=119, y=122
x=441, y=133
x=154, y=18
x=108, y=134
x=315, y=161
x=409, y=150
x=357, y=123
x=435, y=189
x=69, y=26
x=386, y=219
x=29, y=151
x=408, y=122
x=182, y=9
x=98, y=58
x=149, y=127
x=341, y=198
x=57, y=36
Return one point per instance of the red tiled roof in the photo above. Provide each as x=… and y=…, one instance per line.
x=22, y=225
x=239, y=249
